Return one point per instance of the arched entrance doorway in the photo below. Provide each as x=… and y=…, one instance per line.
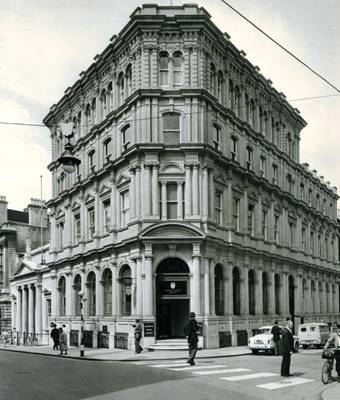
x=172, y=298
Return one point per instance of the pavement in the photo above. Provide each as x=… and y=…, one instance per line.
x=331, y=392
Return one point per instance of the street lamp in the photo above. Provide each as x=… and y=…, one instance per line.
x=82, y=300
x=67, y=160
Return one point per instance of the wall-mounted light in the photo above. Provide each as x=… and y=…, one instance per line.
x=67, y=159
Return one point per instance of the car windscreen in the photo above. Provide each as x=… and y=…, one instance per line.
x=263, y=331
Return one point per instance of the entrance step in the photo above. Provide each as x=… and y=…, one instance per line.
x=169, y=344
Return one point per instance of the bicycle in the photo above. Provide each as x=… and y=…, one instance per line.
x=327, y=369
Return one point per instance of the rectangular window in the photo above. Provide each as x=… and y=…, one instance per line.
x=216, y=138
x=164, y=69
x=77, y=228
x=60, y=235
x=276, y=229
x=171, y=128
x=171, y=200
x=319, y=246
x=126, y=137
x=218, y=208
x=275, y=182
x=107, y=215
x=263, y=166
x=236, y=214
x=249, y=158
x=264, y=225
x=251, y=221
x=233, y=149
x=292, y=234
x=91, y=223
x=302, y=192
x=311, y=244
x=326, y=248
x=124, y=207
x=310, y=196
x=303, y=239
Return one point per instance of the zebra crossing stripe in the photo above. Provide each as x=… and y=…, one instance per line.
x=196, y=367
x=168, y=365
x=284, y=383
x=249, y=376
x=222, y=371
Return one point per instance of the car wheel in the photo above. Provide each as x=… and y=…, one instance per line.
x=255, y=351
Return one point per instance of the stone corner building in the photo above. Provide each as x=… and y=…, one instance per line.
x=190, y=195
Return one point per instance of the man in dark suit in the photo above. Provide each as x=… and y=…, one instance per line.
x=287, y=348
x=191, y=333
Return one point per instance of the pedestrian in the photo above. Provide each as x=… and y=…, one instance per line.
x=191, y=333
x=5, y=338
x=276, y=332
x=55, y=337
x=334, y=340
x=287, y=348
x=138, y=336
x=62, y=342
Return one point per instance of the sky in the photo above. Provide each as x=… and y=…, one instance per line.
x=45, y=44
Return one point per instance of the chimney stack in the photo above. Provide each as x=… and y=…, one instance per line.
x=3, y=210
x=35, y=209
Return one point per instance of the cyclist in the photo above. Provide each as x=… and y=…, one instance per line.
x=334, y=339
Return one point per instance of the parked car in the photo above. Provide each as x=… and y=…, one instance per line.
x=313, y=334
x=263, y=341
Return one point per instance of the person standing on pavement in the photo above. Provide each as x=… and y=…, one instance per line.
x=138, y=336
x=334, y=340
x=191, y=333
x=62, y=342
x=55, y=337
x=287, y=348
x=5, y=338
x=276, y=332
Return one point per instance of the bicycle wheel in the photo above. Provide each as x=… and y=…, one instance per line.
x=325, y=373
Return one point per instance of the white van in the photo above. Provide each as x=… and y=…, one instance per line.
x=314, y=333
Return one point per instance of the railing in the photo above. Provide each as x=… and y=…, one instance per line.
x=34, y=339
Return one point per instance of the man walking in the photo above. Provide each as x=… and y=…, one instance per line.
x=55, y=337
x=191, y=333
x=334, y=339
x=287, y=348
x=276, y=332
x=138, y=336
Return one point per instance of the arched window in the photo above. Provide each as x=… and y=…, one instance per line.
x=107, y=291
x=237, y=102
x=128, y=80
x=236, y=292
x=252, y=114
x=126, y=137
x=88, y=119
x=91, y=291
x=109, y=98
x=164, y=68
x=289, y=144
x=265, y=295
x=260, y=120
x=277, y=293
x=171, y=128
x=121, y=89
x=212, y=79
x=219, y=290
x=107, y=150
x=247, y=112
x=251, y=291
x=231, y=95
x=94, y=111
x=91, y=161
x=126, y=281
x=103, y=109
x=177, y=61
x=220, y=86
x=77, y=289
x=265, y=124
x=62, y=296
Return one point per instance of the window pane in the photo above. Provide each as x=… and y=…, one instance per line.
x=177, y=60
x=171, y=137
x=171, y=192
x=164, y=77
x=172, y=210
x=163, y=61
x=171, y=121
x=177, y=77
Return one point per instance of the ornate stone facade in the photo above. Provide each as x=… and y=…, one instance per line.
x=189, y=196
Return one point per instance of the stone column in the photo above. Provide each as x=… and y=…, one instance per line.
x=195, y=190
x=205, y=193
x=323, y=298
x=99, y=293
x=228, y=290
x=69, y=294
x=53, y=232
x=82, y=221
x=133, y=287
x=244, y=291
x=212, y=194
x=212, y=286
x=96, y=213
x=179, y=200
x=206, y=286
x=148, y=299
x=118, y=210
x=155, y=191
x=24, y=310
x=132, y=190
x=68, y=226
x=18, y=325
x=196, y=300
x=113, y=202
x=31, y=309
x=244, y=212
x=164, y=208
x=44, y=316
x=139, y=298
x=138, y=192
x=188, y=190
x=298, y=294
x=54, y=296
x=259, y=293
x=147, y=190
x=38, y=311
x=284, y=296
x=271, y=292
x=114, y=288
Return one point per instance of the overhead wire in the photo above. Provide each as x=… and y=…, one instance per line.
x=280, y=45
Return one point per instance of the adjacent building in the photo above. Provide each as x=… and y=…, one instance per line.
x=190, y=195
x=18, y=229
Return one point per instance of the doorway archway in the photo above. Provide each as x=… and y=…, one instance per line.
x=172, y=298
